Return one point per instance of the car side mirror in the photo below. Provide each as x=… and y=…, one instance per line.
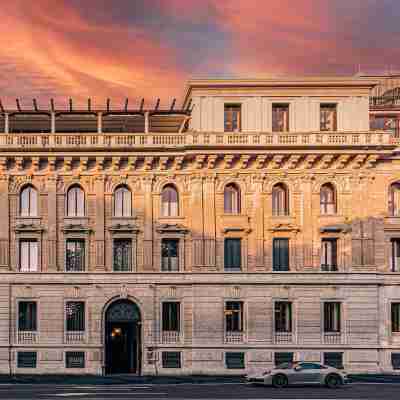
x=298, y=368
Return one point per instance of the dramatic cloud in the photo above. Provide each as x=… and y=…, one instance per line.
x=149, y=48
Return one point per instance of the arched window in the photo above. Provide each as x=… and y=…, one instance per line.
x=28, y=202
x=232, y=199
x=328, y=199
x=122, y=202
x=75, y=202
x=394, y=199
x=280, y=200
x=169, y=202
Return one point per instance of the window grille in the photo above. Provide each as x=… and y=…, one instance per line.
x=234, y=360
x=122, y=259
x=171, y=359
x=75, y=255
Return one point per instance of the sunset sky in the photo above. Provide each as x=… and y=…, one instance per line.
x=149, y=48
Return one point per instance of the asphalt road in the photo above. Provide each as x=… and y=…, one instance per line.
x=228, y=391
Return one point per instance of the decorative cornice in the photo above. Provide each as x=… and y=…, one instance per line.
x=172, y=228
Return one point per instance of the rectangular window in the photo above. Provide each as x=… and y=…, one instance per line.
x=171, y=316
x=233, y=254
x=396, y=360
x=283, y=316
x=26, y=359
x=74, y=359
x=332, y=321
x=75, y=316
x=328, y=117
x=170, y=254
x=171, y=359
x=27, y=316
x=122, y=260
x=28, y=255
x=334, y=359
x=75, y=255
x=282, y=358
x=329, y=254
x=280, y=255
x=234, y=360
x=232, y=117
x=280, y=118
x=234, y=316
x=395, y=311
x=395, y=255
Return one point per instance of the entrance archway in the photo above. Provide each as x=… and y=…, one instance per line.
x=122, y=338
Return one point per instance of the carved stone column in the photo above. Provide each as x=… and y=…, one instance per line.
x=147, y=185
x=100, y=221
x=209, y=221
x=256, y=248
x=196, y=220
x=306, y=217
x=52, y=222
x=4, y=226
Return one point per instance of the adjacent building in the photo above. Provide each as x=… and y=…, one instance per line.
x=258, y=223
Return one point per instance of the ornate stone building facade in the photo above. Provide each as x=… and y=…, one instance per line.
x=257, y=224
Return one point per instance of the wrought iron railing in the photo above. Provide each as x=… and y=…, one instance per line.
x=234, y=337
x=283, y=337
x=169, y=337
x=333, y=337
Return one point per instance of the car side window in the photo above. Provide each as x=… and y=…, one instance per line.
x=310, y=366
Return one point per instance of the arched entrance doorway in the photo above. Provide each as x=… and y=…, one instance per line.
x=122, y=338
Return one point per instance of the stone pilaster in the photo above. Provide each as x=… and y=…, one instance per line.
x=209, y=222
x=52, y=223
x=99, y=225
x=147, y=185
x=5, y=225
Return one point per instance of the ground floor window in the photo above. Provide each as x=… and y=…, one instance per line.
x=26, y=359
x=171, y=359
x=396, y=360
x=282, y=358
x=332, y=320
x=234, y=360
x=74, y=359
x=75, y=316
x=234, y=316
x=334, y=359
x=395, y=317
x=27, y=316
x=171, y=316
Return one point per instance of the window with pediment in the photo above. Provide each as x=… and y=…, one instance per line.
x=232, y=199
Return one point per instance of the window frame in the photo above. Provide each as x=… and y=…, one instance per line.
x=324, y=202
x=280, y=268
x=393, y=208
x=242, y=356
x=395, y=250
x=233, y=268
x=169, y=202
x=178, y=254
x=32, y=192
x=73, y=213
x=69, y=352
x=36, y=323
x=325, y=322
x=22, y=240
x=333, y=266
x=233, y=193
x=241, y=311
x=276, y=108
x=291, y=316
x=334, y=107
x=393, y=321
x=84, y=257
x=83, y=320
x=131, y=255
x=230, y=109
x=164, y=359
x=125, y=192
x=178, y=318
x=280, y=202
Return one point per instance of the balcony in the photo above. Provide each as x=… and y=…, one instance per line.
x=75, y=337
x=27, y=337
x=283, y=337
x=234, y=337
x=333, y=338
x=191, y=140
x=170, y=337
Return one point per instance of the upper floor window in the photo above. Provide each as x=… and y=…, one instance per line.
x=232, y=117
x=280, y=118
x=329, y=254
x=332, y=317
x=328, y=199
x=122, y=202
x=75, y=255
x=390, y=123
x=27, y=316
x=28, y=255
x=170, y=255
x=233, y=254
x=280, y=200
x=394, y=199
x=28, y=202
x=232, y=199
x=395, y=254
x=328, y=117
x=395, y=311
x=122, y=260
x=234, y=316
x=280, y=254
x=171, y=316
x=75, y=316
x=169, y=202
x=283, y=316
x=75, y=202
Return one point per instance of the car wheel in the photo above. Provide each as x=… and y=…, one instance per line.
x=279, y=381
x=333, y=381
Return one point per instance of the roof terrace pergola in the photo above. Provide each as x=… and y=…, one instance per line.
x=89, y=120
